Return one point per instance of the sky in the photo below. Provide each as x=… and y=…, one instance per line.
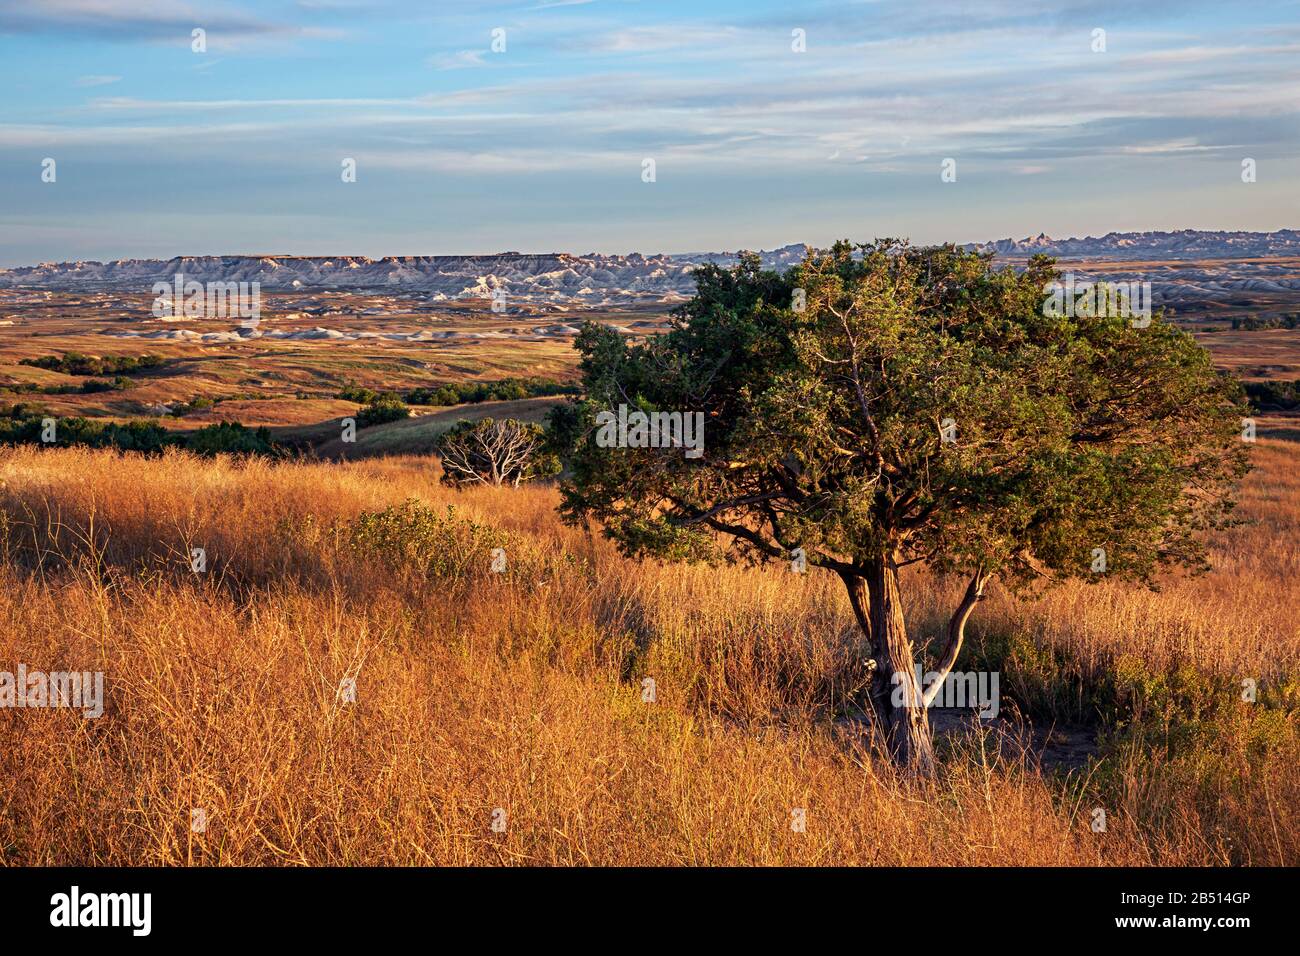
x=767, y=122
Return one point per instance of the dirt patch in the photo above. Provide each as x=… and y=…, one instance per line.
x=1053, y=748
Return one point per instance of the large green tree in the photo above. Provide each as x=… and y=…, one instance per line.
x=883, y=405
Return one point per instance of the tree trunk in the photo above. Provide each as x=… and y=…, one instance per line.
x=896, y=695
x=957, y=632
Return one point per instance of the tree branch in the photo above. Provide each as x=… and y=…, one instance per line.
x=957, y=632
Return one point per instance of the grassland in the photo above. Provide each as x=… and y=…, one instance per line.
x=278, y=382
x=523, y=691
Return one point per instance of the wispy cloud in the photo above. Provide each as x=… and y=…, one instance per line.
x=170, y=22
x=457, y=61
x=719, y=97
x=97, y=80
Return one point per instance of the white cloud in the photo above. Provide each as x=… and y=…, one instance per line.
x=457, y=61
x=97, y=80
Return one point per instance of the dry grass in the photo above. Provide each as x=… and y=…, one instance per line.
x=522, y=690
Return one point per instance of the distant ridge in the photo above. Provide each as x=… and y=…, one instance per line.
x=593, y=279
x=554, y=277
x=1180, y=244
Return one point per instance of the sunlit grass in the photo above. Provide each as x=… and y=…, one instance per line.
x=524, y=690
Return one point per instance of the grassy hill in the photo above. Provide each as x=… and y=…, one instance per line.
x=417, y=434
x=523, y=692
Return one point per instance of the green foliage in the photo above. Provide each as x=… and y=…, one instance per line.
x=119, y=383
x=1275, y=396
x=90, y=386
x=352, y=392
x=132, y=436
x=231, y=438
x=383, y=409
x=75, y=363
x=24, y=424
x=825, y=425
x=504, y=390
x=25, y=410
x=196, y=404
x=1254, y=323
x=460, y=393
x=31, y=388
x=414, y=537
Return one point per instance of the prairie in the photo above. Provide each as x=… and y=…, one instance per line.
x=277, y=378
x=348, y=683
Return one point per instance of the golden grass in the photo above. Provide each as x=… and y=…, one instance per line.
x=523, y=691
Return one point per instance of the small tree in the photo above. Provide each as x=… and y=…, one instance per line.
x=231, y=438
x=494, y=453
x=381, y=410
x=881, y=405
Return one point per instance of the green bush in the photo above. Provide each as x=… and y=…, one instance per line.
x=461, y=393
x=75, y=363
x=414, y=537
x=231, y=438
x=352, y=392
x=504, y=390
x=119, y=383
x=197, y=403
x=24, y=424
x=1252, y=323
x=24, y=410
x=1274, y=396
x=131, y=436
x=383, y=409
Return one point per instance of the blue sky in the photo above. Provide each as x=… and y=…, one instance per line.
x=163, y=151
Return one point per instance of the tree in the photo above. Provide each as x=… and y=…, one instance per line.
x=384, y=408
x=494, y=453
x=231, y=438
x=882, y=405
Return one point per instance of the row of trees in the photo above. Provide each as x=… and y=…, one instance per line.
x=18, y=426
x=462, y=393
x=77, y=363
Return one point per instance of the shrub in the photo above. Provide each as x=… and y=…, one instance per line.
x=24, y=410
x=197, y=403
x=24, y=424
x=1272, y=396
x=75, y=363
x=385, y=408
x=119, y=383
x=414, y=536
x=1252, y=323
x=131, y=436
x=231, y=438
x=494, y=453
x=352, y=392
x=504, y=390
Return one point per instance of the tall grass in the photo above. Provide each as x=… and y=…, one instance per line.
x=524, y=691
